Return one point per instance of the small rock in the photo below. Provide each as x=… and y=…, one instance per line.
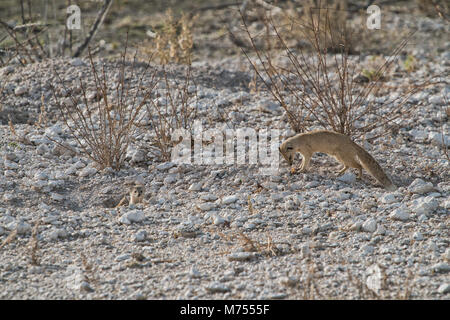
x=196, y=186
x=87, y=172
x=399, y=214
x=208, y=197
x=206, y=206
x=217, y=287
x=419, y=186
x=194, y=273
x=369, y=225
x=165, y=166
x=444, y=288
x=388, y=198
x=139, y=236
x=441, y=267
x=20, y=90
x=132, y=216
x=425, y=205
x=217, y=220
x=348, y=177
x=241, y=256
x=447, y=254
x=229, y=199
x=76, y=62
x=290, y=282
x=170, y=180
x=417, y=236
x=56, y=196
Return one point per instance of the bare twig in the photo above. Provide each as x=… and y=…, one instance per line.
x=98, y=21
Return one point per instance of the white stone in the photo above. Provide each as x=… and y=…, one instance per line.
x=206, y=206
x=447, y=254
x=441, y=267
x=424, y=205
x=230, y=199
x=20, y=90
x=76, y=62
x=10, y=165
x=388, y=198
x=208, y=197
x=217, y=288
x=165, y=166
x=444, y=288
x=196, y=186
x=218, y=220
x=374, y=278
x=169, y=180
x=369, y=225
x=419, y=186
x=87, y=172
x=417, y=236
x=348, y=177
x=56, y=196
x=141, y=235
x=436, y=138
x=399, y=214
x=134, y=215
x=240, y=256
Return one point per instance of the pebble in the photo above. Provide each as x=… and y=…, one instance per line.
x=441, y=267
x=206, y=206
x=369, y=225
x=87, y=172
x=132, y=216
x=444, y=288
x=424, y=205
x=196, y=186
x=241, y=256
x=140, y=235
x=388, y=198
x=419, y=186
x=217, y=287
x=399, y=214
x=229, y=199
x=20, y=90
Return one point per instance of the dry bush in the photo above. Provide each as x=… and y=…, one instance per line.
x=318, y=84
x=104, y=128
x=174, y=107
x=174, y=41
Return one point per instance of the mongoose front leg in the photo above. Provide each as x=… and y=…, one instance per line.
x=305, y=163
x=342, y=171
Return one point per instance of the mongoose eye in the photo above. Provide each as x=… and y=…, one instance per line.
x=289, y=148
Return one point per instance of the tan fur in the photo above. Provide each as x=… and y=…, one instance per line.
x=136, y=196
x=340, y=146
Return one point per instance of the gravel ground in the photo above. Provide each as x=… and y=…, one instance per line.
x=220, y=232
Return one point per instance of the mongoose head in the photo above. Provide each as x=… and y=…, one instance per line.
x=136, y=194
x=287, y=151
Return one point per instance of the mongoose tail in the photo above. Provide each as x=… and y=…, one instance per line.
x=372, y=166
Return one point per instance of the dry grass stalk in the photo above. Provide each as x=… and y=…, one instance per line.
x=42, y=119
x=10, y=238
x=19, y=138
x=176, y=108
x=174, y=42
x=34, y=246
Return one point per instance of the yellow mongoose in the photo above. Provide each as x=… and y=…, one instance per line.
x=136, y=196
x=340, y=146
